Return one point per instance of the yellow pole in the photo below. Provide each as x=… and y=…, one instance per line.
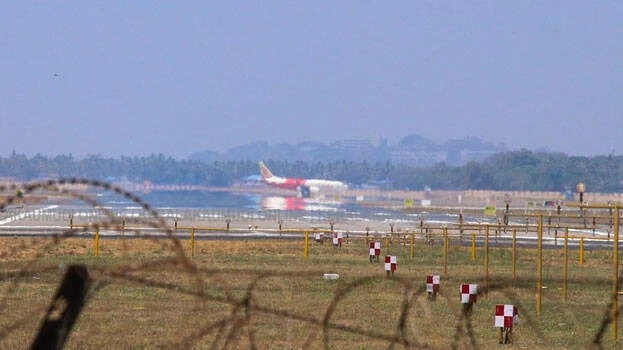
x=412, y=245
x=445, y=250
x=581, y=251
x=192, y=242
x=306, y=244
x=514, y=256
x=487, y=261
x=97, y=241
x=615, y=262
x=539, y=284
x=565, y=269
x=473, y=247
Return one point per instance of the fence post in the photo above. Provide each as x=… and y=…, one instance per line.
x=64, y=309
x=96, y=242
x=487, y=261
x=473, y=247
x=539, y=283
x=412, y=245
x=192, y=242
x=306, y=251
x=615, y=277
x=564, y=270
x=581, y=251
x=445, y=250
x=514, y=256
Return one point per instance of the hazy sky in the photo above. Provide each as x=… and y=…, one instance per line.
x=176, y=77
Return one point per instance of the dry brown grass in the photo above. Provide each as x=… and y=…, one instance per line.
x=265, y=293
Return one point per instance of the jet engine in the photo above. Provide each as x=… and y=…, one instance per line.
x=304, y=191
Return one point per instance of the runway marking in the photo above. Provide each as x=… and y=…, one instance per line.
x=27, y=214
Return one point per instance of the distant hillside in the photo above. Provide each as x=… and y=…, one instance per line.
x=520, y=170
x=413, y=150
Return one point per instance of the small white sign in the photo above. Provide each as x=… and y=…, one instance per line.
x=331, y=276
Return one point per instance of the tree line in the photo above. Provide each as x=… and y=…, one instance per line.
x=520, y=170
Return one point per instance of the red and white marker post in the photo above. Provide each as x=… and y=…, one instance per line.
x=318, y=237
x=390, y=264
x=469, y=295
x=432, y=286
x=338, y=237
x=375, y=251
x=505, y=317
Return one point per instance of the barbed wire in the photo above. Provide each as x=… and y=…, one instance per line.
x=229, y=330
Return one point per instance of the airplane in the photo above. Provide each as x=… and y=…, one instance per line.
x=305, y=187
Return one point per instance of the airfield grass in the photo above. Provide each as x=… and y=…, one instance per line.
x=267, y=294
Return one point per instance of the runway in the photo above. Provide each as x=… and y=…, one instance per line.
x=372, y=223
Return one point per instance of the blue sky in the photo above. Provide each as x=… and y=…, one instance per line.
x=176, y=77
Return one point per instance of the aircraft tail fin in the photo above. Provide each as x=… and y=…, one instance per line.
x=266, y=173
